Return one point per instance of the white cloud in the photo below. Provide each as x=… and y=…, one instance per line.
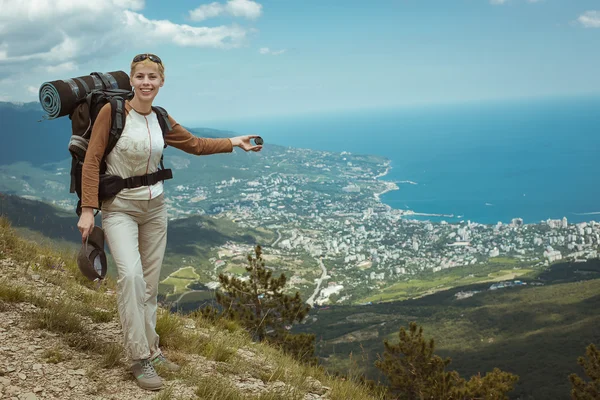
x=235, y=8
x=183, y=35
x=60, y=68
x=590, y=19
x=58, y=35
x=266, y=50
x=244, y=8
x=207, y=11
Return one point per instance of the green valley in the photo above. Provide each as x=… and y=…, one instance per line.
x=536, y=331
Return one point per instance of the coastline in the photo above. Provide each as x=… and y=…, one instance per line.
x=389, y=185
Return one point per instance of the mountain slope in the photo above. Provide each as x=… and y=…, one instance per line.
x=60, y=340
x=26, y=137
x=191, y=238
x=536, y=332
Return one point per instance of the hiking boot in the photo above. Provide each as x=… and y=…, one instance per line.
x=146, y=376
x=161, y=360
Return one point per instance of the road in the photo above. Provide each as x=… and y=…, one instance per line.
x=311, y=299
x=276, y=240
x=183, y=294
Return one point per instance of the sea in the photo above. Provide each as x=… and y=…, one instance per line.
x=486, y=162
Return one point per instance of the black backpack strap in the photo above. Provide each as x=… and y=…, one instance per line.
x=163, y=120
x=148, y=180
x=165, y=126
x=74, y=162
x=117, y=114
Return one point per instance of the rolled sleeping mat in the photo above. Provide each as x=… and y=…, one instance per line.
x=58, y=98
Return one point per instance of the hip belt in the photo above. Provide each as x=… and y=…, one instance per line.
x=111, y=185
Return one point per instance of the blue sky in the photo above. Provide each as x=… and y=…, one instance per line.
x=279, y=57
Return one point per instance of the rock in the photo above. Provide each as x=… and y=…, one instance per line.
x=35, y=277
x=278, y=385
x=10, y=369
x=22, y=376
x=312, y=396
x=4, y=381
x=12, y=390
x=314, y=386
x=77, y=372
x=72, y=384
x=37, y=366
x=30, y=396
x=246, y=354
x=38, y=389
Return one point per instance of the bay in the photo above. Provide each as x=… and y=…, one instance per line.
x=485, y=162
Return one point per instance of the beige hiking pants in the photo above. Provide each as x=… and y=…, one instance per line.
x=136, y=232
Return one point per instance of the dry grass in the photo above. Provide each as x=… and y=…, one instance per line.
x=215, y=387
x=99, y=315
x=16, y=293
x=112, y=354
x=165, y=394
x=12, y=293
x=60, y=318
x=170, y=328
x=219, y=349
x=54, y=355
x=228, y=325
x=217, y=340
x=12, y=246
x=274, y=375
x=86, y=342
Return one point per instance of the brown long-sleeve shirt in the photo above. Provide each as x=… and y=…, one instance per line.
x=178, y=137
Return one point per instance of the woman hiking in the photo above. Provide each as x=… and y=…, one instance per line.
x=135, y=220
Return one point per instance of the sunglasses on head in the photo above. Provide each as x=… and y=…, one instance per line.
x=151, y=57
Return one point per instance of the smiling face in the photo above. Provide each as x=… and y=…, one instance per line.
x=146, y=80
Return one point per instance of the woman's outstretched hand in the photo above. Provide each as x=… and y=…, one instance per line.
x=243, y=142
x=86, y=222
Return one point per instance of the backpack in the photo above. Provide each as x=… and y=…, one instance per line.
x=83, y=117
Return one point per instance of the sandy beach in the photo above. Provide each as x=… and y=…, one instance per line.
x=389, y=186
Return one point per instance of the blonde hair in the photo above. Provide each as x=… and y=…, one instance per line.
x=147, y=61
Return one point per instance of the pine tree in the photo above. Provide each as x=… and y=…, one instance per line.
x=416, y=373
x=494, y=385
x=261, y=307
x=582, y=390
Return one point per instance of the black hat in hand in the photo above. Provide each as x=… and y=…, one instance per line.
x=91, y=259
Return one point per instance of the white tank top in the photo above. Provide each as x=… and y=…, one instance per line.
x=138, y=152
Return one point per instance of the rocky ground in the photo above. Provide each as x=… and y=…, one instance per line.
x=42, y=364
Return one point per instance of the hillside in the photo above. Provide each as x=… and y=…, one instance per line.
x=27, y=137
x=536, y=332
x=61, y=340
x=191, y=240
